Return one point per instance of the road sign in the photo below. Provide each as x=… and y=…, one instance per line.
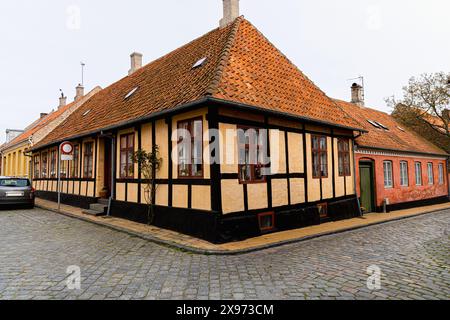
x=66, y=151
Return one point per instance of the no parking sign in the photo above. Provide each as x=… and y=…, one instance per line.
x=66, y=151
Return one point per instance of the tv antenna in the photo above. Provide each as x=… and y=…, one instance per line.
x=82, y=72
x=361, y=83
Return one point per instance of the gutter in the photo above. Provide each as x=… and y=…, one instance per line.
x=443, y=156
x=195, y=103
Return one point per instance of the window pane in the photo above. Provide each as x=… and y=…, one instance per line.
x=316, y=164
x=323, y=165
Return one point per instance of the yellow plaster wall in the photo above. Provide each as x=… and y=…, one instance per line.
x=327, y=183
x=257, y=196
x=162, y=142
x=201, y=197
x=297, y=191
x=295, y=147
x=277, y=138
x=232, y=196
x=228, y=148
x=279, y=192
x=180, y=199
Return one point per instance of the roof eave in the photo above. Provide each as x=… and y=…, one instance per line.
x=283, y=114
x=443, y=155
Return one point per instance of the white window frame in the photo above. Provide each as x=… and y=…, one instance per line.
x=418, y=171
x=441, y=173
x=404, y=174
x=388, y=174
x=430, y=171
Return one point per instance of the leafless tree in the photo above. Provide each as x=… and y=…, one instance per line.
x=426, y=101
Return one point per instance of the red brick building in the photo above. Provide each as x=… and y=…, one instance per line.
x=395, y=166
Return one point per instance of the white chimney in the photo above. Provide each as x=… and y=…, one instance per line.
x=79, y=92
x=358, y=94
x=230, y=12
x=62, y=101
x=136, y=62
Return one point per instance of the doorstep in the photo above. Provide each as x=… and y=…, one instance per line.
x=194, y=245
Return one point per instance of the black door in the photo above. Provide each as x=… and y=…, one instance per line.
x=107, y=173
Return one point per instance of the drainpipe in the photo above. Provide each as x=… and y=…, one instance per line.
x=113, y=166
x=354, y=174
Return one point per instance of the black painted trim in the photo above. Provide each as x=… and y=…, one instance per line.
x=153, y=146
x=216, y=185
x=95, y=167
x=305, y=166
x=286, y=150
x=169, y=156
x=413, y=204
x=333, y=159
x=139, y=195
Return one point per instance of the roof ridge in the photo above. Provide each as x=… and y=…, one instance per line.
x=223, y=60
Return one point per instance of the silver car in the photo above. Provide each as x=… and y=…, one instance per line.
x=16, y=191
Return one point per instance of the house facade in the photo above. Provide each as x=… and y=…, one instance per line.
x=248, y=143
x=395, y=167
x=16, y=160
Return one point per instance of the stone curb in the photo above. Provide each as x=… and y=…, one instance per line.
x=195, y=250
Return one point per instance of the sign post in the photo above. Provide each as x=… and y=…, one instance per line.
x=65, y=154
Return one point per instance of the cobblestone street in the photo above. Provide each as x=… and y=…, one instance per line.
x=37, y=247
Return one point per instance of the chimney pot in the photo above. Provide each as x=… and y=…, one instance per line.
x=358, y=95
x=136, y=62
x=79, y=92
x=230, y=12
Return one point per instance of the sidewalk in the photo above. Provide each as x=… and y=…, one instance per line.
x=191, y=244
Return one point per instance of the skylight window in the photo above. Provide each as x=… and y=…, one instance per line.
x=381, y=125
x=374, y=124
x=86, y=112
x=199, y=63
x=131, y=93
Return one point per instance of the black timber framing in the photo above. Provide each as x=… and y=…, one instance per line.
x=216, y=185
x=269, y=178
x=333, y=173
x=286, y=153
x=169, y=156
x=139, y=195
x=95, y=167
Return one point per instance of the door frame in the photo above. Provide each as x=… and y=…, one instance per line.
x=369, y=163
x=107, y=166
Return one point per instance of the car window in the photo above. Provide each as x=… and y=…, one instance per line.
x=14, y=183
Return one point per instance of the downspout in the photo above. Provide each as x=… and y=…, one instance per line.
x=354, y=173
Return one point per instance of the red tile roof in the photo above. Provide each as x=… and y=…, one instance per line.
x=242, y=66
x=397, y=138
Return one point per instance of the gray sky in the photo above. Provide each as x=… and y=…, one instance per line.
x=42, y=43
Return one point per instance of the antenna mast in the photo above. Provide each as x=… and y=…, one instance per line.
x=82, y=72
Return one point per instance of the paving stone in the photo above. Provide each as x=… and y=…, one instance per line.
x=38, y=246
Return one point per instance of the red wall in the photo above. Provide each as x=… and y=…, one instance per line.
x=399, y=194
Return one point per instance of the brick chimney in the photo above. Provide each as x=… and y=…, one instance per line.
x=79, y=92
x=230, y=12
x=136, y=62
x=358, y=95
x=43, y=115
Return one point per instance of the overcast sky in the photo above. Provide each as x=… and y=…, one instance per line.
x=43, y=41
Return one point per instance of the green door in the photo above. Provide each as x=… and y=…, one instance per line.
x=367, y=191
